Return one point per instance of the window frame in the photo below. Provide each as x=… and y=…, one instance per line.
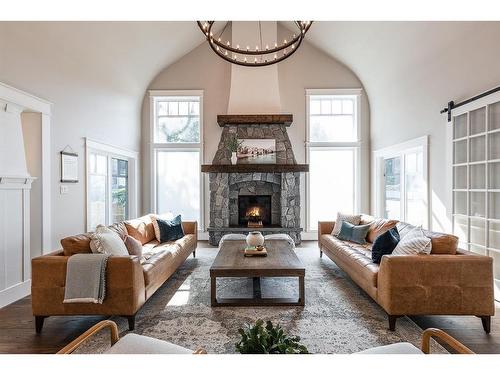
x=111, y=152
x=174, y=147
x=356, y=94
x=401, y=150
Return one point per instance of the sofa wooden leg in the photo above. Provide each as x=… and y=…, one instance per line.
x=39, y=323
x=194, y=253
x=486, y=320
x=392, y=322
x=131, y=322
x=321, y=253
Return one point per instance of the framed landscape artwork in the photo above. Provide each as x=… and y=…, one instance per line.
x=257, y=151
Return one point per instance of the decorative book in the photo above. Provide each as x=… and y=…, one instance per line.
x=251, y=251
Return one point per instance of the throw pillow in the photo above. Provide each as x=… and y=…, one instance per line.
x=133, y=246
x=385, y=244
x=155, y=223
x=170, y=230
x=379, y=226
x=106, y=241
x=414, y=242
x=353, y=219
x=353, y=233
x=120, y=229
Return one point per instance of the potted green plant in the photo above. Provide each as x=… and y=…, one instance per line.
x=268, y=339
x=232, y=145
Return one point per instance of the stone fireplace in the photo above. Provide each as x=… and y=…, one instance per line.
x=264, y=197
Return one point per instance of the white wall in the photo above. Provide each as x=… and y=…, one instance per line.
x=202, y=69
x=87, y=103
x=411, y=70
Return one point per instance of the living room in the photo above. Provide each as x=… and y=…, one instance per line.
x=328, y=186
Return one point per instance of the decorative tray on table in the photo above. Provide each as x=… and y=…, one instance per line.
x=252, y=251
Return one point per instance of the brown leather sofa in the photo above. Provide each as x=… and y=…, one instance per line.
x=449, y=281
x=130, y=280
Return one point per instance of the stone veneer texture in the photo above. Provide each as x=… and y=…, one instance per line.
x=284, y=188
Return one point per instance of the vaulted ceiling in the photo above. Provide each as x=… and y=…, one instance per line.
x=130, y=54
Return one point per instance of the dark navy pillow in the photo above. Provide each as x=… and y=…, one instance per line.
x=385, y=244
x=170, y=230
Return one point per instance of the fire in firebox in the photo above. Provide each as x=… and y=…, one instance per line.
x=253, y=217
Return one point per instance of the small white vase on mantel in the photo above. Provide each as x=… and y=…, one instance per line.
x=234, y=158
x=255, y=239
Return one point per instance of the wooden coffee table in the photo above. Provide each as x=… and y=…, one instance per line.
x=281, y=261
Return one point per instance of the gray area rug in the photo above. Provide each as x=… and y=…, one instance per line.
x=338, y=317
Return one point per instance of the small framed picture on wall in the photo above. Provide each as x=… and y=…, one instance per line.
x=69, y=167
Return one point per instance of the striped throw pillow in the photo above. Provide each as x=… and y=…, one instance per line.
x=415, y=242
x=351, y=219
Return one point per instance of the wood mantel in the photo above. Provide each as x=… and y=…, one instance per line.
x=249, y=168
x=278, y=119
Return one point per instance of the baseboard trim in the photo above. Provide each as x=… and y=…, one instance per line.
x=14, y=293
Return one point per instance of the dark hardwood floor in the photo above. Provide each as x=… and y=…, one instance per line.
x=17, y=329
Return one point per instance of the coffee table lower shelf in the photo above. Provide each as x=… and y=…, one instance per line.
x=257, y=299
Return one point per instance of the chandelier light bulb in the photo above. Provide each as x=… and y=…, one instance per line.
x=228, y=44
x=267, y=46
x=255, y=61
x=245, y=59
x=293, y=46
x=237, y=46
x=218, y=39
x=275, y=44
x=248, y=48
x=275, y=56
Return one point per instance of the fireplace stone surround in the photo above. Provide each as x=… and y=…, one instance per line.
x=283, y=186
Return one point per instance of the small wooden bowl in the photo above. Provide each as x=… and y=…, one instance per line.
x=259, y=248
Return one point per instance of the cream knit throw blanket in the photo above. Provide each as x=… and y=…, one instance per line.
x=86, y=278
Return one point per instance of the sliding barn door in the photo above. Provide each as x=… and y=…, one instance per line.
x=476, y=179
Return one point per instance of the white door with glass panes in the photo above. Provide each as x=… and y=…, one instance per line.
x=108, y=187
x=404, y=185
x=476, y=179
x=401, y=182
x=177, y=153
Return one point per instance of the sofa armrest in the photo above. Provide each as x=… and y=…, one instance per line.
x=324, y=227
x=190, y=227
x=436, y=284
x=124, y=284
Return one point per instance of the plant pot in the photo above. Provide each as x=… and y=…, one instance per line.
x=234, y=158
x=255, y=239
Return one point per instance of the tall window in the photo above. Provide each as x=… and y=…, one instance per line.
x=401, y=182
x=476, y=179
x=110, y=191
x=333, y=144
x=177, y=152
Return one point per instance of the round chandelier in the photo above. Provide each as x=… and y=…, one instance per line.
x=261, y=55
